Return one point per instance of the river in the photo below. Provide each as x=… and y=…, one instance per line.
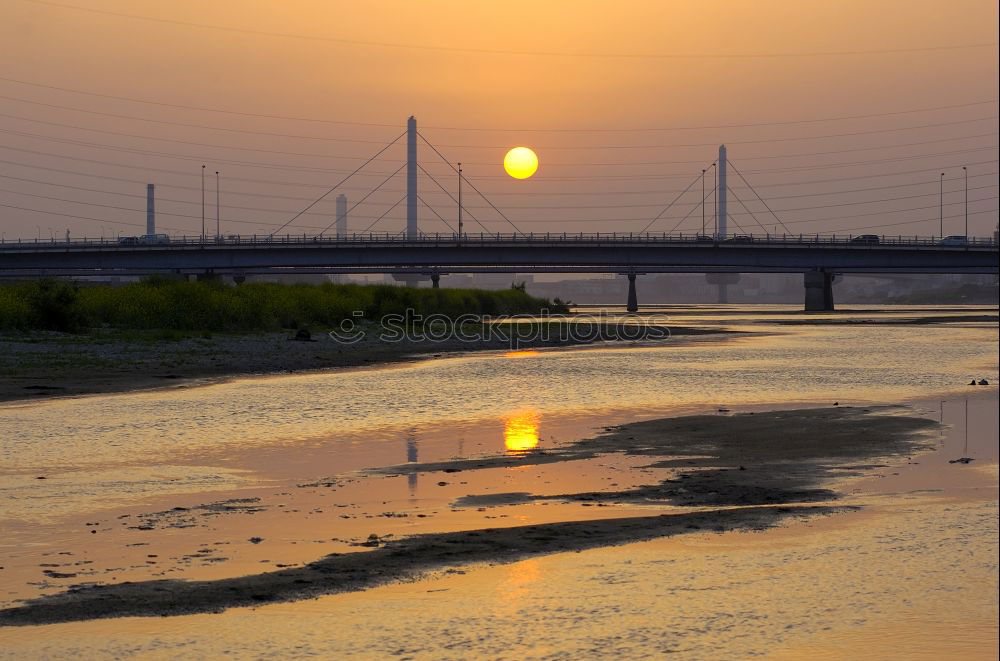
x=94, y=459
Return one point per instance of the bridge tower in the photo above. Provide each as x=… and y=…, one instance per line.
x=341, y=215
x=722, y=280
x=411, y=178
x=721, y=214
x=411, y=279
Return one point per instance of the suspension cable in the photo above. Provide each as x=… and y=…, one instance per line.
x=472, y=185
x=367, y=195
x=339, y=183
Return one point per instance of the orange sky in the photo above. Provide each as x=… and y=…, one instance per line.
x=566, y=65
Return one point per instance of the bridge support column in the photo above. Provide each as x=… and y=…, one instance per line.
x=819, y=290
x=435, y=280
x=633, y=301
x=722, y=282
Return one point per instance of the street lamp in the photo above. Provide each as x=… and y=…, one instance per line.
x=966, y=171
x=715, y=197
x=941, y=206
x=218, y=216
x=459, y=201
x=703, y=170
x=202, y=203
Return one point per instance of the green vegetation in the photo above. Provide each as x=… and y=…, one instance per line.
x=163, y=304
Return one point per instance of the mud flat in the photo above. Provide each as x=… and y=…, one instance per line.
x=745, y=459
x=741, y=472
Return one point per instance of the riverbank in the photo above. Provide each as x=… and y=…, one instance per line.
x=50, y=364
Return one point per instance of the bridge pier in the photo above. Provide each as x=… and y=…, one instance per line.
x=435, y=280
x=722, y=282
x=633, y=302
x=819, y=290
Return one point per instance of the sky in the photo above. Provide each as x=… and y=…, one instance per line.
x=840, y=116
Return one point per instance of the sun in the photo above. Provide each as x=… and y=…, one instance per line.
x=520, y=162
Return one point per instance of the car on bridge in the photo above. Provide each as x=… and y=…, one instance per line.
x=954, y=240
x=144, y=240
x=866, y=239
x=740, y=238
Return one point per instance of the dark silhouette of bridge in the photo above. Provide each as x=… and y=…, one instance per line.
x=819, y=258
x=412, y=255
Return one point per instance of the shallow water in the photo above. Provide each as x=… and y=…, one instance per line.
x=136, y=435
x=925, y=548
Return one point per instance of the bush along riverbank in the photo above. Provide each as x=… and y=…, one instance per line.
x=163, y=304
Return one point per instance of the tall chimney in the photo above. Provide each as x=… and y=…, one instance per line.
x=721, y=220
x=341, y=215
x=150, y=211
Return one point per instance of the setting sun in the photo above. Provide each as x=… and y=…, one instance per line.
x=520, y=162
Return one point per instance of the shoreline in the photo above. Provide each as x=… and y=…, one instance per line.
x=61, y=365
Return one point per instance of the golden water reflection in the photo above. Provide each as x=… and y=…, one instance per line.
x=520, y=431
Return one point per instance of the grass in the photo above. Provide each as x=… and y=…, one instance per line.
x=182, y=307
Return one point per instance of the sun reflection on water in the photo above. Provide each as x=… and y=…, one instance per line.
x=521, y=353
x=520, y=431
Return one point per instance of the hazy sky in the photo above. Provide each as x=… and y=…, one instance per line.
x=634, y=80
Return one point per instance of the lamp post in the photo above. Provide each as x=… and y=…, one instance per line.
x=202, y=203
x=703, y=201
x=459, y=201
x=715, y=198
x=941, y=206
x=966, y=171
x=218, y=216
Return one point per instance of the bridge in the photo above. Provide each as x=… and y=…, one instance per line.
x=819, y=257
x=412, y=254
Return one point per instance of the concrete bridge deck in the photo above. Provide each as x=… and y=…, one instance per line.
x=431, y=255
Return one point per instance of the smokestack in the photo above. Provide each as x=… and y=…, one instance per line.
x=150, y=211
x=341, y=215
x=411, y=178
x=721, y=220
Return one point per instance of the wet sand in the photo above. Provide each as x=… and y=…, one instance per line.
x=745, y=459
x=777, y=459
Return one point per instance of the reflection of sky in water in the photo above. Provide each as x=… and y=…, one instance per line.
x=821, y=364
x=520, y=431
x=917, y=584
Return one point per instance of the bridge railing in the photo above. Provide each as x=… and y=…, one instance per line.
x=382, y=238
